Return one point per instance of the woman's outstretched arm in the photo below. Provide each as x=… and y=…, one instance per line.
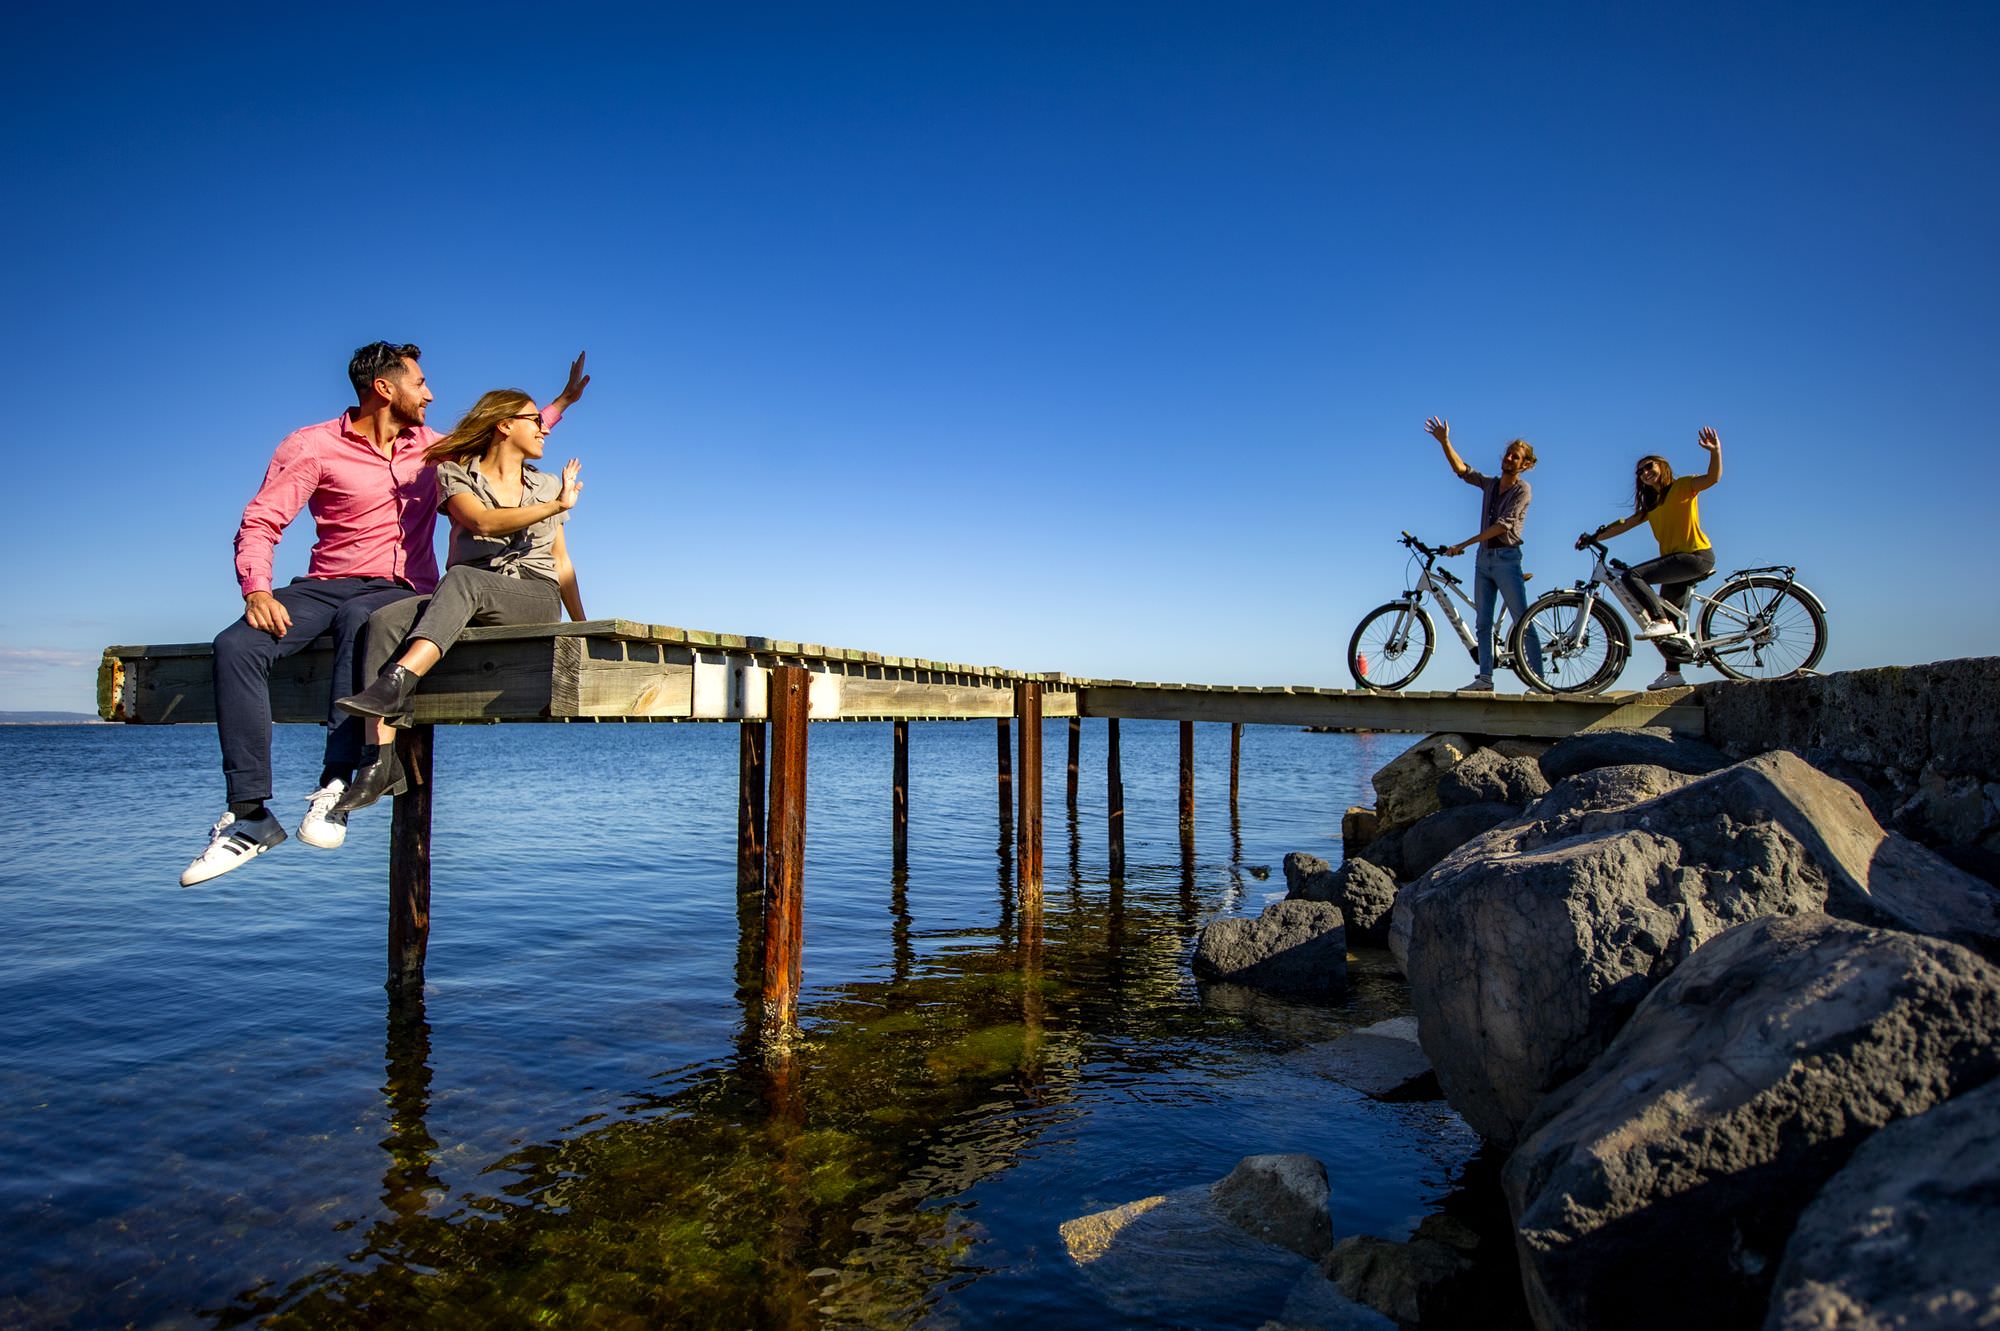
x=468, y=513
x=572, y=595
x=1711, y=441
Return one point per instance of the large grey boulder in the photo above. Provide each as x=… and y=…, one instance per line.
x=1486, y=777
x=1619, y=786
x=1529, y=947
x=1653, y=746
x=1432, y=838
x=1280, y=1199
x=1406, y=789
x=1386, y=853
x=1658, y=1188
x=1293, y=947
x=1908, y=1234
x=1365, y=893
x=1309, y=878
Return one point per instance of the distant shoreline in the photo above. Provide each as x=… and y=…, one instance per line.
x=51, y=719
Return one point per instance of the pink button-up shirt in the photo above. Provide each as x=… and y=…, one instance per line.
x=374, y=515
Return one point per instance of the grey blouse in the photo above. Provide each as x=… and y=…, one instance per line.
x=528, y=553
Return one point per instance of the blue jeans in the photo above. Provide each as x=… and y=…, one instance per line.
x=1498, y=570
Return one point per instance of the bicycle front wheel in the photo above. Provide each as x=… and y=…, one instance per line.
x=1761, y=627
x=1390, y=646
x=1580, y=653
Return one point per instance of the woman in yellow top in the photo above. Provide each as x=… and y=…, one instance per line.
x=1670, y=507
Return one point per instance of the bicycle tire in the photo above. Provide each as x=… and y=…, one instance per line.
x=1588, y=666
x=1382, y=669
x=1794, y=640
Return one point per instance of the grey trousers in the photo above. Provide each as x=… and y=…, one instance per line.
x=466, y=596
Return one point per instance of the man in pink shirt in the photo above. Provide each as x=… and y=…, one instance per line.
x=373, y=498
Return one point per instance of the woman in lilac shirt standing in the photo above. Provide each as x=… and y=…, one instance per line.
x=1503, y=510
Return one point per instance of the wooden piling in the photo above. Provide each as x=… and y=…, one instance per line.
x=1075, y=748
x=1235, y=761
x=750, y=762
x=1114, y=800
x=1006, y=773
x=899, y=797
x=1028, y=856
x=1187, y=773
x=410, y=865
x=785, y=851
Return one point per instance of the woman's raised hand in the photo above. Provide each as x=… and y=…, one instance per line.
x=1709, y=440
x=571, y=486
x=1439, y=429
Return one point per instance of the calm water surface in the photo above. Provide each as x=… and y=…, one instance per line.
x=213, y=1115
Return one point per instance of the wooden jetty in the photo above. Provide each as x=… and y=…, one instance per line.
x=615, y=670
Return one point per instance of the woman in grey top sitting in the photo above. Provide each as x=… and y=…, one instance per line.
x=508, y=564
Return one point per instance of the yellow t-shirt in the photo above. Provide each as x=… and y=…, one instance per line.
x=1676, y=521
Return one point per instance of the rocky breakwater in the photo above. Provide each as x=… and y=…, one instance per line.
x=1724, y=1013
x=1682, y=993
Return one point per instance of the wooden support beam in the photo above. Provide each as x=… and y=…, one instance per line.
x=410, y=865
x=899, y=797
x=1028, y=858
x=1187, y=773
x=1075, y=748
x=750, y=763
x=1114, y=800
x=785, y=852
x=1006, y=772
x=1235, y=761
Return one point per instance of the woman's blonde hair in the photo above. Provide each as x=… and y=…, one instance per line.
x=473, y=434
x=1646, y=498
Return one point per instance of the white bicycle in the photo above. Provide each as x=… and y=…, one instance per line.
x=1761, y=623
x=1393, y=642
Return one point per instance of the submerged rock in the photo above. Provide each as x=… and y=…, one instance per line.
x=1383, y=1061
x=1281, y=1199
x=1293, y=947
x=1739, y=1087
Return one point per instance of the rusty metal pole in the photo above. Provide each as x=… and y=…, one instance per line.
x=1006, y=774
x=1075, y=749
x=750, y=761
x=1187, y=773
x=1235, y=761
x=785, y=853
x=1114, y=800
x=899, y=797
x=410, y=865
x=1028, y=858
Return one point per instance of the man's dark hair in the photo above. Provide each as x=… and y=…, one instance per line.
x=374, y=361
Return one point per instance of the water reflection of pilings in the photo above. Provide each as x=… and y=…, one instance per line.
x=902, y=951
x=410, y=1182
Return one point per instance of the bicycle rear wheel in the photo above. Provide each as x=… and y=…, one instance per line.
x=1579, y=655
x=1778, y=626
x=1390, y=646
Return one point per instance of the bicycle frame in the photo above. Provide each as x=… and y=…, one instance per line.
x=1607, y=573
x=1441, y=581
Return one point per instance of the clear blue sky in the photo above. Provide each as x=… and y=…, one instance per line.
x=1089, y=337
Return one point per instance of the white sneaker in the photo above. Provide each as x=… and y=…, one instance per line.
x=322, y=826
x=1478, y=684
x=1658, y=628
x=231, y=842
x=1671, y=680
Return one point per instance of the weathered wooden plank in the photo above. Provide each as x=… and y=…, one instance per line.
x=1473, y=714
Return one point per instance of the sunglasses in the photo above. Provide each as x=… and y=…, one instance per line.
x=534, y=416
